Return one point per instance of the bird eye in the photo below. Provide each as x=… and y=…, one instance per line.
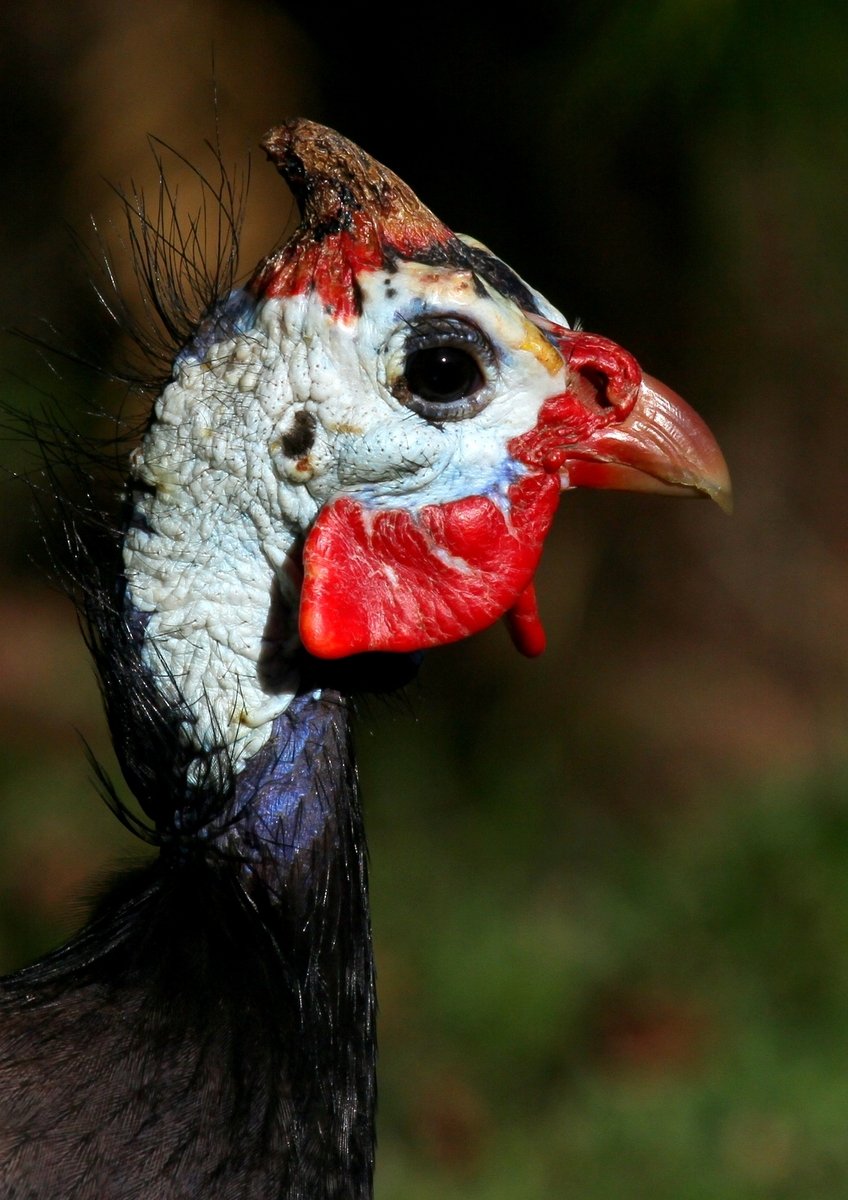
x=446, y=369
x=443, y=374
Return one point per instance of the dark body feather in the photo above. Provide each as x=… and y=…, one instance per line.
x=211, y=1031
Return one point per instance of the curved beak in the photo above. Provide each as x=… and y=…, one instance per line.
x=639, y=437
x=613, y=427
x=661, y=445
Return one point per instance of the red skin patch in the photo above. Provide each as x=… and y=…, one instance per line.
x=330, y=264
x=605, y=387
x=401, y=581
x=525, y=625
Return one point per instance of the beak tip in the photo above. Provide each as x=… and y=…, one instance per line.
x=715, y=482
x=723, y=497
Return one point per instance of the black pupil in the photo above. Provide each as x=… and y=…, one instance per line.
x=443, y=373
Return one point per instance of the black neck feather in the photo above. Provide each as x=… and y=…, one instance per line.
x=221, y=1000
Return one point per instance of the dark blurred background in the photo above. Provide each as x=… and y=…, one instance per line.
x=610, y=886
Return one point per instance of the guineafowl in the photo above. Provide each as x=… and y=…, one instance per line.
x=358, y=456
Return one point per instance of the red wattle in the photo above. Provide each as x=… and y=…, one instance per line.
x=400, y=580
x=525, y=625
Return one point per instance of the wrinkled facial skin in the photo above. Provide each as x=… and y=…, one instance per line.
x=436, y=512
x=429, y=528
x=380, y=450
x=288, y=473
x=364, y=449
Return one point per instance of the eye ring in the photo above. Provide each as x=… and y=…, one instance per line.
x=448, y=367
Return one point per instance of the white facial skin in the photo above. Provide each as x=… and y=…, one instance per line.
x=208, y=557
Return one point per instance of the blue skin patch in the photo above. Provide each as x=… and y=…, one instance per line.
x=233, y=315
x=494, y=485
x=285, y=796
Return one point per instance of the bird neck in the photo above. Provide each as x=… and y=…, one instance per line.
x=234, y=977
x=216, y=513
x=295, y=839
x=237, y=745
x=248, y=943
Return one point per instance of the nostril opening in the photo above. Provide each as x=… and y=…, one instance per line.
x=613, y=374
x=600, y=382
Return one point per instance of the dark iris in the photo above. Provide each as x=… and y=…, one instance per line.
x=449, y=368
x=443, y=374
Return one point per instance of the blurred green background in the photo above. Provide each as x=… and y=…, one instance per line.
x=610, y=886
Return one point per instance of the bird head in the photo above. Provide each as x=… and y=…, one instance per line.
x=461, y=406
x=377, y=428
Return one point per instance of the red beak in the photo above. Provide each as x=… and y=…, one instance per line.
x=613, y=427
x=639, y=435
x=662, y=445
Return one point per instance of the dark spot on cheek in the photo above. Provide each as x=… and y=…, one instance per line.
x=301, y=437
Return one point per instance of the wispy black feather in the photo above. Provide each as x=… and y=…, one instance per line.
x=184, y=265
x=211, y=1030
